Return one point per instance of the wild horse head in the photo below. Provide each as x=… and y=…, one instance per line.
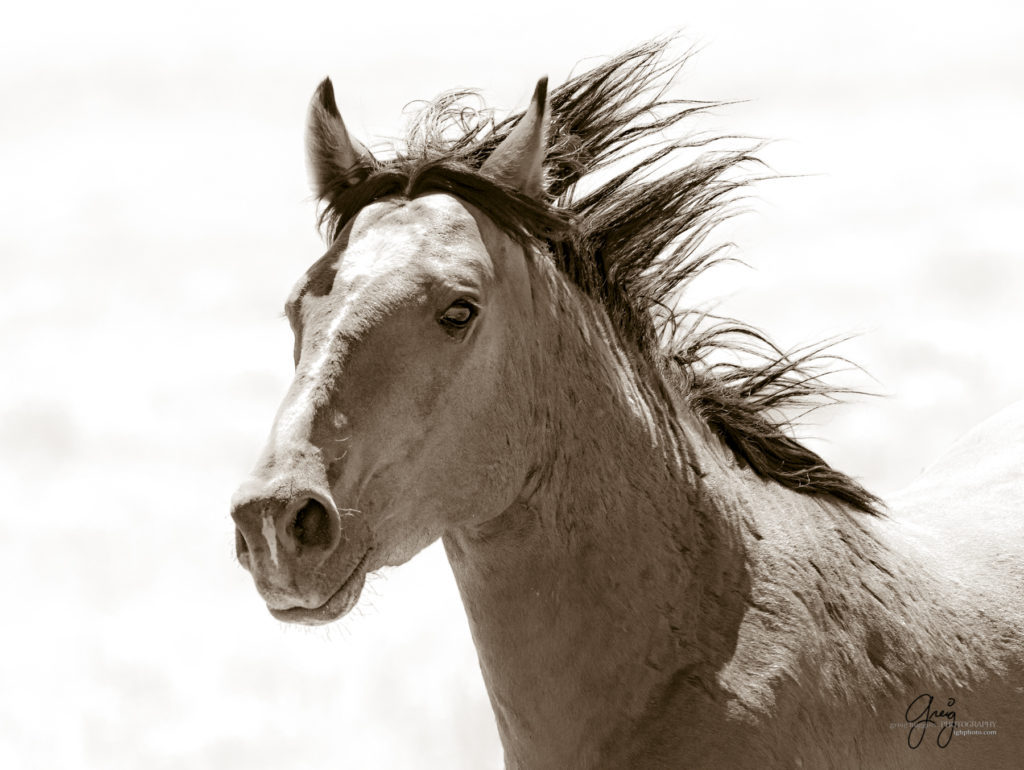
x=655, y=572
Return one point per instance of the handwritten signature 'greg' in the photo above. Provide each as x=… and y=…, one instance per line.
x=921, y=714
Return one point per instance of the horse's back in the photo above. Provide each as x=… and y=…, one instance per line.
x=967, y=510
x=962, y=524
x=990, y=456
x=981, y=477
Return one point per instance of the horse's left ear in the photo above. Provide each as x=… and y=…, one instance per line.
x=335, y=159
x=518, y=161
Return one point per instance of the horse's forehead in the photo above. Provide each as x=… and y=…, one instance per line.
x=433, y=231
x=438, y=214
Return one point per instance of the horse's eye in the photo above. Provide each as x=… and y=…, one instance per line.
x=459, y=314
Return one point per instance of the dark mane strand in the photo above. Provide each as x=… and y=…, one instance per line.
x=634, y=243
x=742, y=403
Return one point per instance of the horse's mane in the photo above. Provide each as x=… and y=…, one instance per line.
x=633, y=242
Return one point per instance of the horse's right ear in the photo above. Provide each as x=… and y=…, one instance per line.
x=335, y=160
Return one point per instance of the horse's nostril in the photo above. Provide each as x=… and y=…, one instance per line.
x=312, y=525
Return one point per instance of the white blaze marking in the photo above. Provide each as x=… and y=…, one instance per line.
x=362, y=260
x=270, y=535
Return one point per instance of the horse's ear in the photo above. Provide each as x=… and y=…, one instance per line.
x=334, y=158
x=519, y=160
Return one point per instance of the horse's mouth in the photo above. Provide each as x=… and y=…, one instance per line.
x=339, y=603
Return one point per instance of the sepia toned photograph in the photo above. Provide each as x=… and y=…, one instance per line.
x=535, y=386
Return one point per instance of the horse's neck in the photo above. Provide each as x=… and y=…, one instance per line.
x=642, y=574
x=586, y=583
x=600, y=583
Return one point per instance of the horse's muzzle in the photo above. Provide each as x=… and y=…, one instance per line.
x=300, y=555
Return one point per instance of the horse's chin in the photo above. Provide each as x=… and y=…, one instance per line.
x=340, y=602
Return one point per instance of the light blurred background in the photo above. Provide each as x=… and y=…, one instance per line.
x=155, y=214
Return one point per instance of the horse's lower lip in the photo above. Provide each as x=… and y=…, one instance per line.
x=340, y=602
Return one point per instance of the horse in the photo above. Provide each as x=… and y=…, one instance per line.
x=655, y=572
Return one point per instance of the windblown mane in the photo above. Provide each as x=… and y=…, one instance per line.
x=634, y=242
